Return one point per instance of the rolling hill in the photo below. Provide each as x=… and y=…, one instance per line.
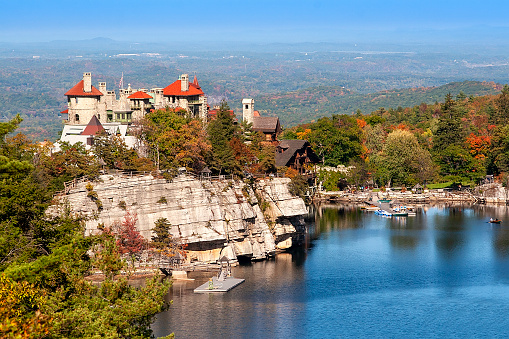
x=313, y=103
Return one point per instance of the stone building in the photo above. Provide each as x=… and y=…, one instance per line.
x=85, y=101
x=269, y=126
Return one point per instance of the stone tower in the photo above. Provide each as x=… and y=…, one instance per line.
x=248, y=110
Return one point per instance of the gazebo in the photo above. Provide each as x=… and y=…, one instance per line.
x=205, y=172
x=417, y=189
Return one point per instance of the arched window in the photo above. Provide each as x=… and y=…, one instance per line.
x=77, y=117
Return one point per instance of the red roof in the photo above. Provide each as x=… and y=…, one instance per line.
x=77, y=91
x=139, y=95
x=175, y=90
x=94, y=126
x=256, y=114
x=213, y=114
x=195, y=82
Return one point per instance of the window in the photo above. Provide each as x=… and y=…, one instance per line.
x=99, y=117
x=77, y=117
x=247, y=106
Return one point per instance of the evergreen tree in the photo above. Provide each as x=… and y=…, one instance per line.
x=221, y=130
x=162, y=238
x=449, y=130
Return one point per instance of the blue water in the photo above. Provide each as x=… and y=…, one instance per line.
x=443, y=273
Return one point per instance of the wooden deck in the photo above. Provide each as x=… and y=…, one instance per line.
x=219, y=285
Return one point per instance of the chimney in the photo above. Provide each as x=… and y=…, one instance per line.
x=248, y=110
x=184, y=82
x=87, y=82
x=102, y=87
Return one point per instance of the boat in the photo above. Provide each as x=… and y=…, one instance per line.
x=495, y=221
x=370, y=208
x=383, y=213
x=400, y=214
x=384, y=200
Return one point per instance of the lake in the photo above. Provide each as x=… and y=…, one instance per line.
x=443, y=273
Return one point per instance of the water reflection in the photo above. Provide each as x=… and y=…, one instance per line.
x=441, y=273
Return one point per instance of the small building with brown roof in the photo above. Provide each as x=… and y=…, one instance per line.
x=269, y=126
x=296, y=154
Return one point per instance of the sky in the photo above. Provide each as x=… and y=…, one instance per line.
x=246, y=20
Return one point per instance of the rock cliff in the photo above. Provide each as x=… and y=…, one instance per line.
x=214, y=218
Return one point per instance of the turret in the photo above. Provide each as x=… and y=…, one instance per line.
x=248, y=110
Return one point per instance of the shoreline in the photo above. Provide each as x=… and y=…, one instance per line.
x=430, y=197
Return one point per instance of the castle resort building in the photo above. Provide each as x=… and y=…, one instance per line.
x=84, y=101
x=98, y=106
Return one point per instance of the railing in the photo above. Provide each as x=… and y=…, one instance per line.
x=68, y=185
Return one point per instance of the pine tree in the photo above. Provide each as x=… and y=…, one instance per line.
x=162, y=238
x=221, y=130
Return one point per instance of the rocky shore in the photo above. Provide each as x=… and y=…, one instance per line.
x=229, y=218
x=493, y=193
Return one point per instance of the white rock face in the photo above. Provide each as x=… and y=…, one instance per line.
x=213, y=217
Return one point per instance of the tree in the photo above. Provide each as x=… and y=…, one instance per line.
x=501, y=115
x=402, y=159
x=162, y=238
x=176, y=141
x=337, y=139
x=449, y=129
x=129, y=239
x=221, y=131
x=115, y=153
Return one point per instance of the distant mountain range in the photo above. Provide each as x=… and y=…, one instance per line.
x=313, y=103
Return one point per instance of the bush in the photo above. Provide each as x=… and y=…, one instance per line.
x=298, y=186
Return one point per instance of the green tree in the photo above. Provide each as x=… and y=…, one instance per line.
x=449, y=129
x=162, y=238
x=175, y=141
x=402, y=160
x=221, y=130
x=501, y=115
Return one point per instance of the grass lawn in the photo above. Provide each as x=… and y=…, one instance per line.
x=444, y=185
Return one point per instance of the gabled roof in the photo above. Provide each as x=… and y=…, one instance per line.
x=290, y=147
x=266, y=124
x=139, y=95
x=77, y=91
x=94, y=126
x=175, y=89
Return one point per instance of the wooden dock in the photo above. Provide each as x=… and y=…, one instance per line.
x=217, y=285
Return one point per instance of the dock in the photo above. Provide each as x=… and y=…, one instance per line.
x=217, y=285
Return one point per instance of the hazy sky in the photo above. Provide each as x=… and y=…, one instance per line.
x=240, y=20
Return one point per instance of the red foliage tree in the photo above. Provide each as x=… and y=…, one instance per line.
x=129, y=239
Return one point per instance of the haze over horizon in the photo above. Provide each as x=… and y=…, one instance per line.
x=263, y=21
